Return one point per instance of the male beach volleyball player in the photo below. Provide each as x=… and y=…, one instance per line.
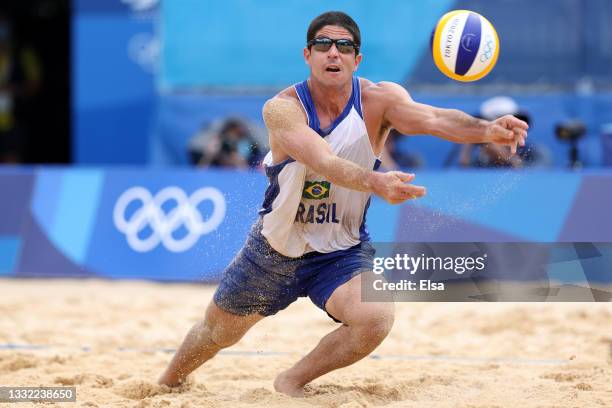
x=310, y=239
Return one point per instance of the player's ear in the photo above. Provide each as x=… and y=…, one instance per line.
x=307, y=55
x=358, y=59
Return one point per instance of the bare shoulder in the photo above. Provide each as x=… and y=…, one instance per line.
x=378, y=99
x=381, y=91
x=283, y=109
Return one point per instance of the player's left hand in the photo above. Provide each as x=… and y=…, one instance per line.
x=507, y=131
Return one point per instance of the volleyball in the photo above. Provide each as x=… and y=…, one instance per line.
x=464, y=45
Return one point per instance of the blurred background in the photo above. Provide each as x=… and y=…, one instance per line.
x=131, y=133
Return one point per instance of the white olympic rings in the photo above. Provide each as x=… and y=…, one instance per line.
x=151, y=214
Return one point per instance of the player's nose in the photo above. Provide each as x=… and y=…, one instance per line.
x=333, y=51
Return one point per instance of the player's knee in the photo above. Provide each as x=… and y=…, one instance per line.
x=385, y=323
x=374, y=326
x=379, y=326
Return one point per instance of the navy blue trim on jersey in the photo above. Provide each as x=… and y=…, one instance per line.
x=364, y=235
x=273, y=188
x=305, y=97
x=303, y=94
x=357, y=100
x=377, y=164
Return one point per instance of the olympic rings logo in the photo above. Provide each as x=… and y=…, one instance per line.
x=150, y=217
x=488, y=49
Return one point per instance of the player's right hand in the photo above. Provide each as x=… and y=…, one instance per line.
x=507, y=131
x=395, y=187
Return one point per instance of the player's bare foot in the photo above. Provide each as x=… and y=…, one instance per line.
x=286, y=385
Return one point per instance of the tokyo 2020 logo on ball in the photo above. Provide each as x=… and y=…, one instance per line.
x=464, y=45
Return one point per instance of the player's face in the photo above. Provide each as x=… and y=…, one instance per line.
x=335, y=64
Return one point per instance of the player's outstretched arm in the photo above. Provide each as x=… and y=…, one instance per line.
x=410, y=117
x=288, y=130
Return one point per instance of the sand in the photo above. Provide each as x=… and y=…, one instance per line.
x=438, y=354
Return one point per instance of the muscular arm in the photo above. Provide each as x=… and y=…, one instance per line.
x=289, y=131
x=410, y=117
x=455, y=126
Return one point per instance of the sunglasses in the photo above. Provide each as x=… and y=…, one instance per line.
x=343, y=45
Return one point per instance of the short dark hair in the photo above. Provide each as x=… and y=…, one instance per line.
x=335, y=18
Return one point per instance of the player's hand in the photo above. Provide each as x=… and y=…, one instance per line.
x=507, y=131
x=395, y=187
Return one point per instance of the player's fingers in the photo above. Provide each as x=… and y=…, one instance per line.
x=519, y=131
x=396, y=199
x=418, y=191
x=519, y=136
x=405, y=177
x=513, y=148
x=515, y=122
x=520, y=123
x=412, y=191
x=505, y=133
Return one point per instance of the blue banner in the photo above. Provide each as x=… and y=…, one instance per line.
x=115, y=50
x=187, y=225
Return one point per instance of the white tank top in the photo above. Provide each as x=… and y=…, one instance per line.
x=302, y=212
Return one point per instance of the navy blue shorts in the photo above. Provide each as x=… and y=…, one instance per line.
x=261, y=280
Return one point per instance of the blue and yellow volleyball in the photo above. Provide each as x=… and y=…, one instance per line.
x=464, y=45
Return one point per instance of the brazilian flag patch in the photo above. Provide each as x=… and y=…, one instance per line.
x=316, y=190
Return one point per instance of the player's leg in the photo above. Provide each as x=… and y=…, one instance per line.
x=250, y=288
x=365, y=326
x=218, y=330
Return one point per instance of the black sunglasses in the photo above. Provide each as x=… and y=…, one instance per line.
x=343, y=45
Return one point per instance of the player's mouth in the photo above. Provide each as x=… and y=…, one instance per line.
x=332, y=68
